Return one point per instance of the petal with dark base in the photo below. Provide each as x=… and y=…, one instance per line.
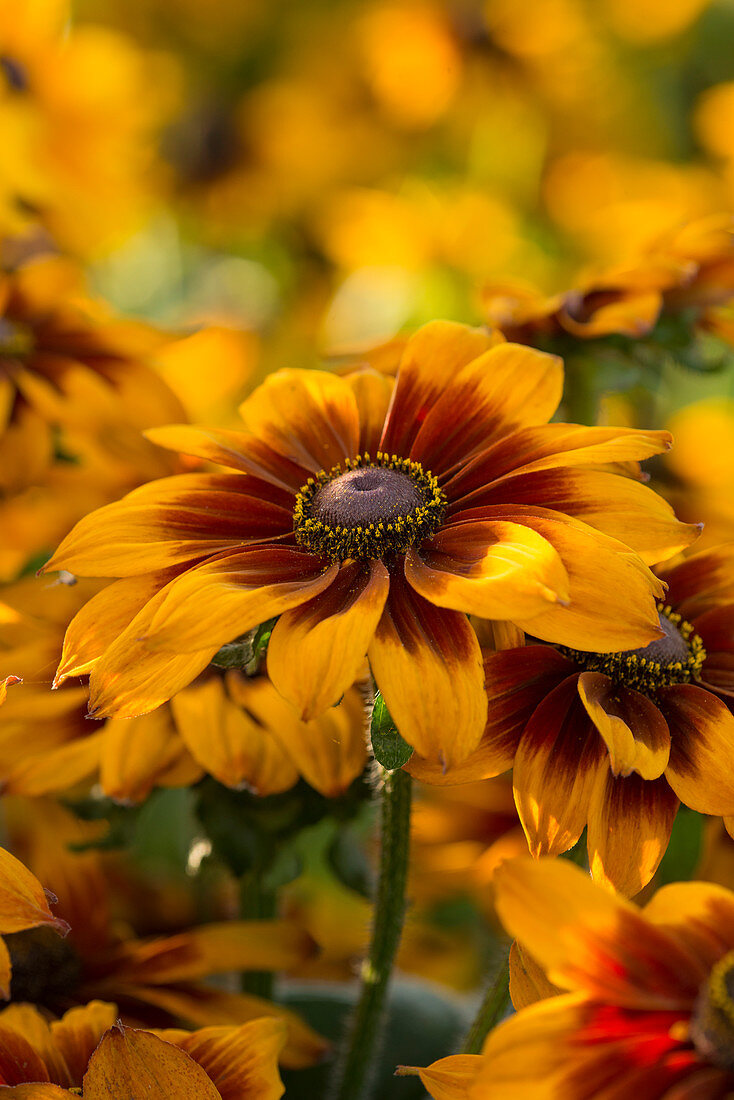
x=701, y=768
x=634, y=730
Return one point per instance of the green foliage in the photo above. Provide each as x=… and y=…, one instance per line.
x=684, y=849
x=246, y=652
x=388, y=746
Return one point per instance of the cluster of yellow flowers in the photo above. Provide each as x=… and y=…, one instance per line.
x=279, y=547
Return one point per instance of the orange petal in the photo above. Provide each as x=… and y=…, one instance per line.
x=505, y=387
x=620, y=507
x=9, y=681
x=448, y=1078
x=242, y=1062
x=432, y=357
x=135, y=752
x=308, y=416
x=699, y=914
x=225, y=733
x=55, y=769
x=23, y=901
x=5, y=971
x=701, y=768
x=428, y=666
x=633, y=728
x=702, y=582
x=140, y=1066
x=589, y=939
x=316, y=650
x=494, y=569
x=36, y=1092
x=329, y=752
x=372, y=392
x=629, y=828
x=528, y=980
x=78, y=1032
x=557, y=761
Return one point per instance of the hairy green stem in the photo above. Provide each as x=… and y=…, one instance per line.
x=491, y=1010
x=256, y=903
x=355, y=1068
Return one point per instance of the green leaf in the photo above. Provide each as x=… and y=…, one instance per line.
x=684, y=848
x=388, y=746
x=247, y=651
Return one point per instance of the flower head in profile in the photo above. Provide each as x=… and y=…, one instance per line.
x=372, y=518
x=88, y=1050
x=615, y=741
x=645, y=1007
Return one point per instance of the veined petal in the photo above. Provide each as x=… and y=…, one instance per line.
x=716, y=630
x=447, y=1079
x=228, y=739
x=309, y=416
x=78, y=1032
x=372, y=392
x=528, y=981
x=548, y=446
x=701, y=768
x=505, y=387
x=590, y=939
x=237, y=450
x=630, y=820
x=702, y=582
x=556, y=765
x=23, y=901
x=495, y=569
x=428, y=666
x=242, y=1062
x=619, y=506
x=140, y=1066
x=167, y=526
x=316, y=650
x=633, y=728
x=432, y=357
x=221, y=599
x=135, y=752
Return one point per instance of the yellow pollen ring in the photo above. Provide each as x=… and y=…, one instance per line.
x=643, y=673
x=390, y=534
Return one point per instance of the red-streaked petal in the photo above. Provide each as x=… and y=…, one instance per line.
x=507, y=386
x=557, y=761
x=309, y=416
x=316, y=650
x=699, y=914
x=716, y=629
x=702, y=581
x=629, y=828
x=590, y=939
x=428, y=666
x=496, y=570
x=633, y=728
x=701, y=768
x=431, y=359
x=619, y=506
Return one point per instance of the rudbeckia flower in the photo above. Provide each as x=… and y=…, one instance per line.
x=87, y=1050
x=372, y=520
x=615, y=741
x=235, y=727
x=646, y=1008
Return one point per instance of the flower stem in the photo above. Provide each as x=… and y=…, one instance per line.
x=491, y=1010
x=256, y=903
x=354, y=1071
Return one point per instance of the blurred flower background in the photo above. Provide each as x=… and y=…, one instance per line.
x=193, y=195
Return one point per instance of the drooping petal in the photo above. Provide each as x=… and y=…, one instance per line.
x=699, y=914
x=55, y=769
x=136, y=752
x=528, y=981
x=228, y=740
x=633, y=728
x=316, y=650
x=701, y=767
x=630, y=820
x=495, y=569
x=242, y=1062
x=447, y=1079
x=140, y=1066
x=23, y=901
x=18, y=1059
x=516, y=682
x=428, y=666
x=619, y=506
x=78, y=1032
x=309, y=416
x=506, y=387
x=432, y=357
x=557, y=761
x=589, y=939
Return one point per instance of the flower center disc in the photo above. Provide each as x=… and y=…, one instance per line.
x=675, y=659
x=371, y=509
x=712, y=1025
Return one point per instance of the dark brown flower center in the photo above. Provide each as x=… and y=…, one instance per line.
x=46, y=968
x=675, y=659
x=368, y=510
x=712, y=1024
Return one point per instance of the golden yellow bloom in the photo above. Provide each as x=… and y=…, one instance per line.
x=87, y=1049
x=373, y=528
